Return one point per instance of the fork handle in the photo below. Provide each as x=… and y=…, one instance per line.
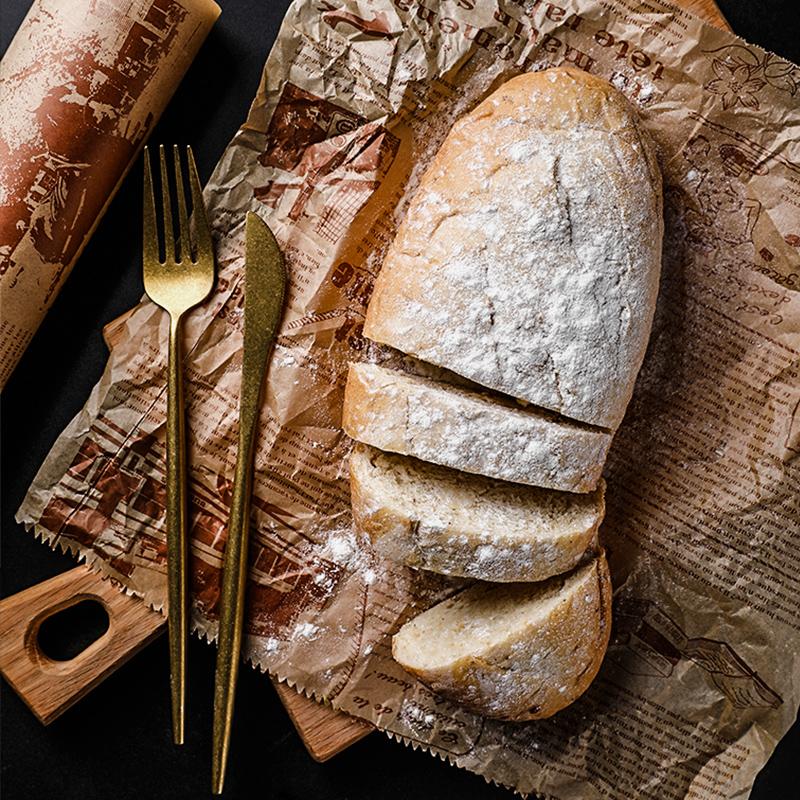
x=177, y=540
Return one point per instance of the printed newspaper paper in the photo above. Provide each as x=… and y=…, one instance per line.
x=700, y=679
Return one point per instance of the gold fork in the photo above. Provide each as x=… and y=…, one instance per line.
x=178, y=283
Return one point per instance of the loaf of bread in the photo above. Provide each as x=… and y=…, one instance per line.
x=526, y=270
x=476, y=433
x=529, y=258
x=439, y=519
x=514, y=651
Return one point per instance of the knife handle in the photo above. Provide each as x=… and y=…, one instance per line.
x=232, y=595
x=50, y=687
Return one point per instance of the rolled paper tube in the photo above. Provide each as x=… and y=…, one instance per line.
x=84, y=82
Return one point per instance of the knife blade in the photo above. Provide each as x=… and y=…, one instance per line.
x=264, y=286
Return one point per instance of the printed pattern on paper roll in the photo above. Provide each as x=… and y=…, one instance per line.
x=84, y=82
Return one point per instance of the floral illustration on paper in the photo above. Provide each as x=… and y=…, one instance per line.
x=720, y=214
x=741, y=74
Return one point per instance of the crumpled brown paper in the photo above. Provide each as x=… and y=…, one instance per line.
x=700, y=679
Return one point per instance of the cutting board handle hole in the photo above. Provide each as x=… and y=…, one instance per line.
x=67, y=633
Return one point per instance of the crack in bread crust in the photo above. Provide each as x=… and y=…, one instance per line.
x=513, y=219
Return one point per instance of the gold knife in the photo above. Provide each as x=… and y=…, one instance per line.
x=264, y=283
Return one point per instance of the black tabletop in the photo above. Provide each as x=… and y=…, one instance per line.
x=116, y=742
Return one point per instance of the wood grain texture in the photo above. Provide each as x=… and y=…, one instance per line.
x=50, y=687
x=707, y=10
x=324, y=730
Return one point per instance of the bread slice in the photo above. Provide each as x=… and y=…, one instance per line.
x=436, y=518
x=516, y=651
x=529, y=258
x=475, y=433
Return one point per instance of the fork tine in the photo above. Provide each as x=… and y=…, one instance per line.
x=202, y=229
x=169, y=238
x=183, y=218
x=149, y=229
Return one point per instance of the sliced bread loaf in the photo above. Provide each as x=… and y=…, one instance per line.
x=437, y=518
x=515, y=651
x=476, y=433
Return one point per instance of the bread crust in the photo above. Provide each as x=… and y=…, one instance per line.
x=529, y=672
x=527, y=270
x=445, y=521
x=529, y=258
x=456, y=428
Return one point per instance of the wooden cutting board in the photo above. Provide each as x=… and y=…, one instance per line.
x=50, y=687
x=707, y=10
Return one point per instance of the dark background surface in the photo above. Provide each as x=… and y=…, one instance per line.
x=116, y=742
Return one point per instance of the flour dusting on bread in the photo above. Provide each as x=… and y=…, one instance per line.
x=530, y=256
x=511, y=316
x=476, y=433
x=516, y=651
x=440, y=519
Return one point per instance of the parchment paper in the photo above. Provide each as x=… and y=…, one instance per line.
x=701, y=678
x=84, y=82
